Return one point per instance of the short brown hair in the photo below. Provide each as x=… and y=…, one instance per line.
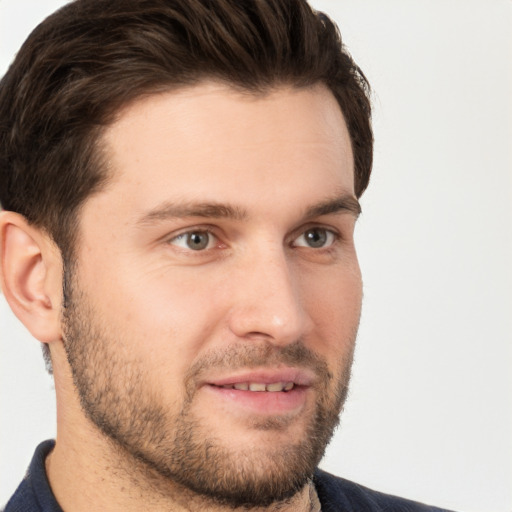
x=91, y=57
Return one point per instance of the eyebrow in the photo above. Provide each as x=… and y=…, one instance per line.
x=174, y=210
x=345, y=203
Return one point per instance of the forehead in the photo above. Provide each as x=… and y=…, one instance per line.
x=212, y=142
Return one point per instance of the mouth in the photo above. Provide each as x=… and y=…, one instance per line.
x=276, y=392
x=259, y=387
x=265, y=379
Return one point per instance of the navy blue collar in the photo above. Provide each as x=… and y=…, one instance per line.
x=34, y=493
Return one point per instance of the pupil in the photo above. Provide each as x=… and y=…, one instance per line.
x=316, y=237
x=197, y=241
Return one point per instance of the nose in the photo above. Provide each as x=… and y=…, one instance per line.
x=266, y=300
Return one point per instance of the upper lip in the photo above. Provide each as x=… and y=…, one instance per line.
x=299, y=376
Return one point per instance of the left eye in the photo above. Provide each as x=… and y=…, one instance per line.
x=315, y=238
x=194, y=240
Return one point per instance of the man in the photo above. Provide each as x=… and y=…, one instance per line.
x=180, y=183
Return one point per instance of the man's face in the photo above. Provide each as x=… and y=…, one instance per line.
x=216, y=295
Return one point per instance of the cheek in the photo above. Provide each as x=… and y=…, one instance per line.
x=180, y=320
x=160, y=318
x=333, y=301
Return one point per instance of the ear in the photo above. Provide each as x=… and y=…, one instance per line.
x=31, y=276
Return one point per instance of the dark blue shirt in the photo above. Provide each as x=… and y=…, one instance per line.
x=336, y=494
x=34, y=493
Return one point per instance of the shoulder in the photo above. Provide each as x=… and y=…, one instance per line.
x=340, y=495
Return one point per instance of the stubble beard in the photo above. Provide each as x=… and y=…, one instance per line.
x=177, y=448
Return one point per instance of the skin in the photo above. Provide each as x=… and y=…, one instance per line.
x=168, y=321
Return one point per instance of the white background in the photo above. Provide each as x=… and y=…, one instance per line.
x=430, y=412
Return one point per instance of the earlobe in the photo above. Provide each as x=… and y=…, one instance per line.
x=30, y=271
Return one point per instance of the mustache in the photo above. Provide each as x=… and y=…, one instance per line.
x=252, y=355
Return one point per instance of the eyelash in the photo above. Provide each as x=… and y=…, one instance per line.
x=200, y=230
x=335, y=237
x=205, y=230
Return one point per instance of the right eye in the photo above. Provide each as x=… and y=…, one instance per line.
x=197, y=240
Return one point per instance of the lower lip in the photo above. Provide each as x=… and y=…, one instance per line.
x=262, y=402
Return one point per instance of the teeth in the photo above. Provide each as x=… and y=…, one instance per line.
x=278, y=386
x=259, y=386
